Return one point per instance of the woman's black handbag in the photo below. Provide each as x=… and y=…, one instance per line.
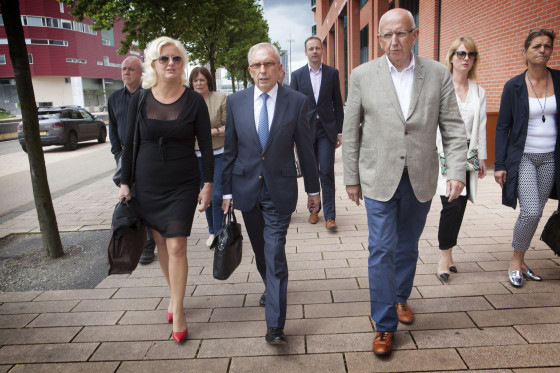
x=551, y=232
x=128, y=238
x=228, y=247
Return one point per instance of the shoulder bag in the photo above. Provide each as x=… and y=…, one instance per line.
x=551, y=232
x=228, y=247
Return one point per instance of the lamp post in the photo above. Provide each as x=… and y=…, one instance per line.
x=290, y=40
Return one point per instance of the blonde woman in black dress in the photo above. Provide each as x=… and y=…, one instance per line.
x=167, y=177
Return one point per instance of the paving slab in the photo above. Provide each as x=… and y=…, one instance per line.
x=325, y=363
x=530, y=356
x=544, y=333
x=352, y=342
x=47, y=353
x=38, y=307
x=472, y=337
x=250, y=347
x=405, y=361
x=175, y=366
x=98, y=367
x=37, y=335
x=516, y=316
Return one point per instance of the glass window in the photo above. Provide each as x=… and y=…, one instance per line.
x=85, y=114
x=363, y=2
x=24, y=20
x=1, y=20
x=61, y=8
x=65, y=114
x=30, y=56
x=39, y=41
x=105, y=60
x=57, y=42
x=107, y=37
x=364, y=44
x=53, y=22
x=34, y=21
x=2, y=59
x=66, y=24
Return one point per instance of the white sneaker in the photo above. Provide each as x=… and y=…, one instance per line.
x=210, y=240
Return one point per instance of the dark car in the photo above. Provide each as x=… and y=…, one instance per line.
x=66, y=125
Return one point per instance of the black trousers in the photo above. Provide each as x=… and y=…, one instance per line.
x=451, y=218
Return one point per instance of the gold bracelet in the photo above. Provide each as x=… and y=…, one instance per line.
x=208, y=183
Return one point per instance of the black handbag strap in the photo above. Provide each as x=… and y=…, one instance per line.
x=228, y=218
x=136, y=142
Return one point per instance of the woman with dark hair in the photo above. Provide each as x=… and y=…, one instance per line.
x=167, y=177
x=527, y=163
x=462, y=61
x=201, y=81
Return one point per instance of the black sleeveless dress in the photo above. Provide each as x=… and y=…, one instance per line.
x=167, y=177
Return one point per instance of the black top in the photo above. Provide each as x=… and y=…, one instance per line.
x=118, y=110
x=167, y=176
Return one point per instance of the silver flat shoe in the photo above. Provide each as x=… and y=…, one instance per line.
x=531, y=275
x=516, y=278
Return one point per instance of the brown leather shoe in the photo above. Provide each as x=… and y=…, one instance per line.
x=383, y=343
x=314, y=218
x=331, y=225
x=406, y=316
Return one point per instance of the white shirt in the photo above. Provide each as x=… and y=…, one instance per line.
x=270, y=105
x=403, y=83
x=541, y=137
x=316, y=77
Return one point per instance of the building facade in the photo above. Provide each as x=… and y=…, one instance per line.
x=348, y=29
x=70, y=63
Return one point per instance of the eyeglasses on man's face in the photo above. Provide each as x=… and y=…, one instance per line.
x=462, y=54
x=400, y=34
x=266, y=64
x=164, y=60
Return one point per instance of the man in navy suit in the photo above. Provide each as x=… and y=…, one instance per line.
x=321, y=85
x=259, y=174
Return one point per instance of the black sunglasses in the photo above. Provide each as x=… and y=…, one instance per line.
x=463, y=54
x=164, y=60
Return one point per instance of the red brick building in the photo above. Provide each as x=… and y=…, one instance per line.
x=70, y=63
x=348, y=29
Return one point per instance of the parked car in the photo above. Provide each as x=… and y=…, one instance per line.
x=66, y=125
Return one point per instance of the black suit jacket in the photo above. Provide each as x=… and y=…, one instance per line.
x=246, y=165
x=329, y=104
x=511, y=133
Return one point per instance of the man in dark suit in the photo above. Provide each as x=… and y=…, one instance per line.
x=131, y=69
x=259, y=175
x=321, y=85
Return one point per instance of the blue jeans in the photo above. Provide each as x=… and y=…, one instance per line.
x=395, y=227
x=214, y=213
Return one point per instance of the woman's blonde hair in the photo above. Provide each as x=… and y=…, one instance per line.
x=471, y=46
x=149, y=77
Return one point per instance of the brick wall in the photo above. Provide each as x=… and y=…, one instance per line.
x=498, y=29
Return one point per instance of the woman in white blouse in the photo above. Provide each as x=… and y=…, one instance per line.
x=462, y=60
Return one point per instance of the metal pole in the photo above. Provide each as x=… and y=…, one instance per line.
x=290, y=40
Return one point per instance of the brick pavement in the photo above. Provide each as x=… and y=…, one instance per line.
x=475, y=322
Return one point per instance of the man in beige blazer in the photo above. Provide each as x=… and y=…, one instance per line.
x=395, y=105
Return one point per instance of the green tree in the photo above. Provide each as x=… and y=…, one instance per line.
x=41, y=192
x=205, y=27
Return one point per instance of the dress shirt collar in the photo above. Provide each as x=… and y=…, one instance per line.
x=272, y=93
x=392, y=67
x=313, y=71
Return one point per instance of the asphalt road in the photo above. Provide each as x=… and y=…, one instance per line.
x=65, y=170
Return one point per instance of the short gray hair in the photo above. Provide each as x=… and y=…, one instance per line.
x=133, y=58
x=410, y=17
x=259, y=46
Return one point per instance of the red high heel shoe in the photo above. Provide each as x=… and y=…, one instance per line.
x=180, y=337
x=169, y=316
